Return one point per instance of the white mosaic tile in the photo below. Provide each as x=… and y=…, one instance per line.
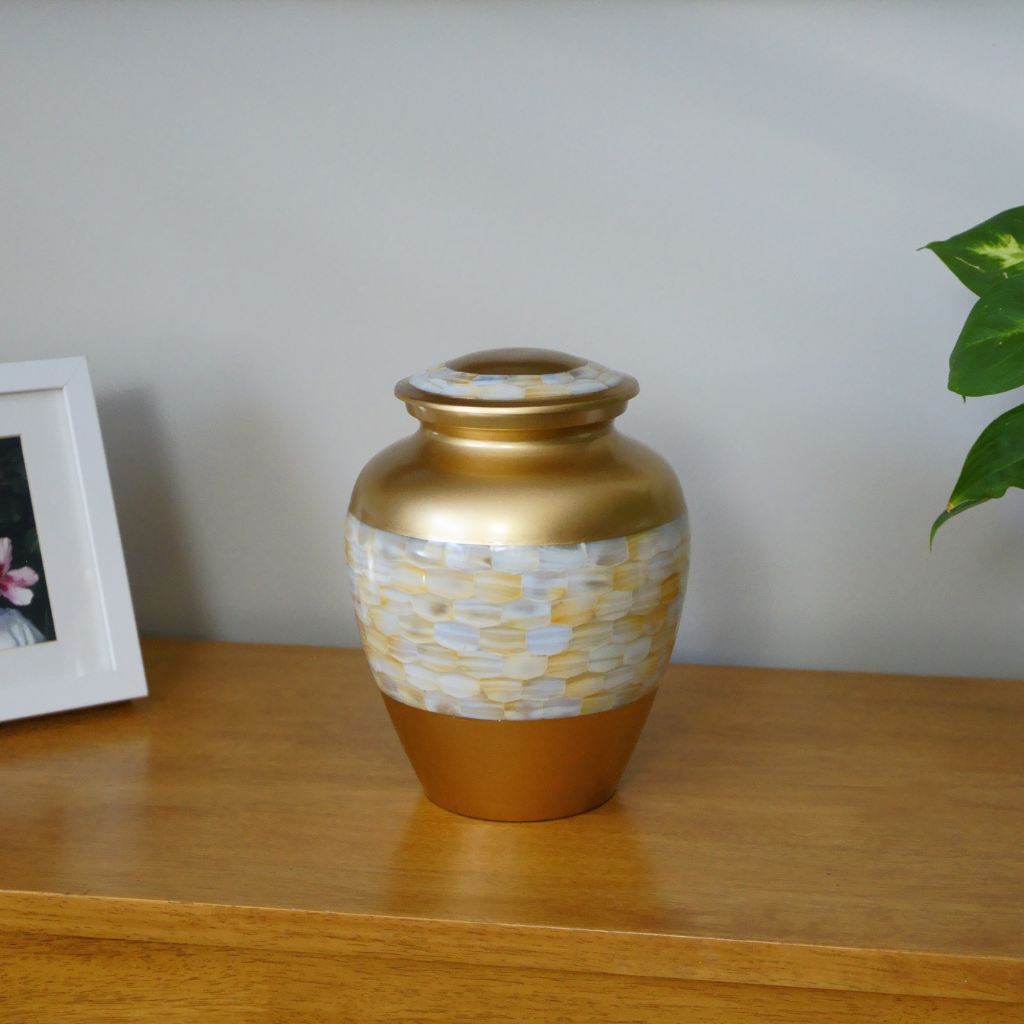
x=517, y=632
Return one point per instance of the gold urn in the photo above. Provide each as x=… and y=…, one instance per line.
x=518, y=570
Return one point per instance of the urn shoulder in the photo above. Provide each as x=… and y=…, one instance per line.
x=580, y=486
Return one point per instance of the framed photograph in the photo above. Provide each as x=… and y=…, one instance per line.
x=67, y=630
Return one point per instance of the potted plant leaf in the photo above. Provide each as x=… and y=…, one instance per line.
x=988, y=357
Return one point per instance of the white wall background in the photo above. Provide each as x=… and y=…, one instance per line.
x=255, y=217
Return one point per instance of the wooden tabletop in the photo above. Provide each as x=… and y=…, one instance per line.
x=776, y=832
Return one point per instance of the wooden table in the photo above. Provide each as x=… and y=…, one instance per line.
x=249, y=844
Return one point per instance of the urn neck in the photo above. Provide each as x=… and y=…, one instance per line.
x=472, y=436
x=451, y=416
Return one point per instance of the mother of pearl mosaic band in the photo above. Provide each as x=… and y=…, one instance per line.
x=518, y=632
x=442, y=380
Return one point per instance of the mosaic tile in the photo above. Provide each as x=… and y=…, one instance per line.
x=516, y=632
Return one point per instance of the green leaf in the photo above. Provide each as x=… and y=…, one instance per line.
x=994, y=463
x=988, y=357
x=948, y=514
x=988, y=253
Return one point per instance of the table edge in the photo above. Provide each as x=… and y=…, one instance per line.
x=522, y=946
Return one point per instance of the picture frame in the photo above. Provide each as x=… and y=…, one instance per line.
x=68, y=637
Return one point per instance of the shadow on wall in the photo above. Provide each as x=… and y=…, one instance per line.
x=272, y=539
x=256, y=555
x=162, y=564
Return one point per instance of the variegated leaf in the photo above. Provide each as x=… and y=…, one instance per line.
x=988, y=253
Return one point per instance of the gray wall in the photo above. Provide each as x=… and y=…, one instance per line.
x=255, y=217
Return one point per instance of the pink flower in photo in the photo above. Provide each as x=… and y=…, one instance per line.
x=14, y=584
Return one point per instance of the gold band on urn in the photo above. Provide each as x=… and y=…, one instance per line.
x=519, y=771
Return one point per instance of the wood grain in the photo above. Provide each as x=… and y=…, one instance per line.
x=104, y=981
x=780, y=837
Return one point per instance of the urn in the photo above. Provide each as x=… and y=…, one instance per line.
x=518, y=569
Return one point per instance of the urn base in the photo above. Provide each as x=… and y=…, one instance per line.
x=519, y=771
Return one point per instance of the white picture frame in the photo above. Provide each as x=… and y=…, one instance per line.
x=95, y=657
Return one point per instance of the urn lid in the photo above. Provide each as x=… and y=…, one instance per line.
x=517, y=388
